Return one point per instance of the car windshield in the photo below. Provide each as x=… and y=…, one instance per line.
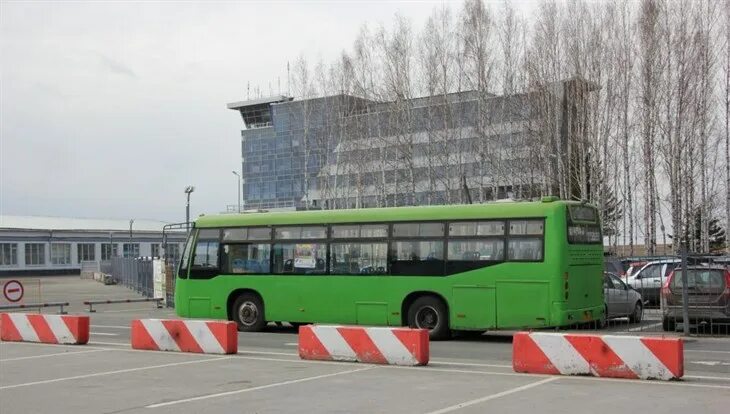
x=700, y=278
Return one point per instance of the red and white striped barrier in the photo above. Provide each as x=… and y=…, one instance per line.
x=393, y=346
x=205, y=337
x=49, y=329
x=598, y=355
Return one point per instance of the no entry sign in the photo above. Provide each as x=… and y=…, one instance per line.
x=13, y=291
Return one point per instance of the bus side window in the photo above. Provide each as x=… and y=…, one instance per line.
x=245, y=258
x=417, y=258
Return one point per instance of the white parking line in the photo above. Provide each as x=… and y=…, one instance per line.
x=645, y=327
x=466, y=364
x=705, y=377
x=493, y=396
x=103, y=334
x=121, y=371
x=52, y=355
x=706, y=351
x=262, y=387
x=109, y=343
x=130, y=310
x=111, y=326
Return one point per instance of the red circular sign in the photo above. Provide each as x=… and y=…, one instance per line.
x=13, y=291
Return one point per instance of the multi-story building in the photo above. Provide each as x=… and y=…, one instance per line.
x=58, y=245
x=345, y=151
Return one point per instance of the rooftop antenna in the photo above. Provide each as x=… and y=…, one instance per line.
x=278, y=81
x=288, y=79
x=248, y=90
x=271, y=91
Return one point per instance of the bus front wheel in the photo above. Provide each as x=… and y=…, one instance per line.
x=428, y=312
x=248, y=313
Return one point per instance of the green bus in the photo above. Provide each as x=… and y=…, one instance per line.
x=477, y=267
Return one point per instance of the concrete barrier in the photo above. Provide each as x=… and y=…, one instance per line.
x=49, y=329
x=206, y=337
x=598, y=355
x=374, y=345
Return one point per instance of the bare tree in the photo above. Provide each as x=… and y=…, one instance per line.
x=727, y=123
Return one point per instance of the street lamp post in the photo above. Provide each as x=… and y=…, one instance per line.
x=239, y=190
x=188, y=190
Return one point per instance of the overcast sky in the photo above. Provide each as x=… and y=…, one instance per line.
x=109, y=109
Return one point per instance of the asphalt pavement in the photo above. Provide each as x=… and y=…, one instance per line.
x=465, y=375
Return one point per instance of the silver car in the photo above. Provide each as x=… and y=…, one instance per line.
x=621, y=300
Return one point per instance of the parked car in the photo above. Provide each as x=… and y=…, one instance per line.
x=614, y=265
x=650, y=278
x=621, y=300
x=634, y=266
x=708, y=296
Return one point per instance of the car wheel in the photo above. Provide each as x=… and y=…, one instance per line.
x=669, y=325
x=429, y=312
x=248, y=313
x=638, y=313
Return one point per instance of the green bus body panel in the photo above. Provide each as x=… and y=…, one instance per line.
x=502, y=296
x=369, y=215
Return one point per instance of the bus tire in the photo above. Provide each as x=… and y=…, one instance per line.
x=248, y=313
x=429, y=312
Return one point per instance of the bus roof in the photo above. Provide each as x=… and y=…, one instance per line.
x=370, y=215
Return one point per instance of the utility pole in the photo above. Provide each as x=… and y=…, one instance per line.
x=188, y=190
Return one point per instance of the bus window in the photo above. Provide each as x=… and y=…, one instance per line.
x=358, y=258
x=526, y=227
x=484, y=228
x=364, y=231
x=205, y=256
x=418, y=230
x=245, y=258
x=300, y=258
x=312, y=232
x=525, y=249
x=476, y=250
x=243, y=234
x=417, y=258
x=182, y=271
x=466, y=255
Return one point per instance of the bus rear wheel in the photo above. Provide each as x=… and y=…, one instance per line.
x=428, y=312
x=248, y=313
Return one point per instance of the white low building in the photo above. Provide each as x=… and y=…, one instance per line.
x=37, y=245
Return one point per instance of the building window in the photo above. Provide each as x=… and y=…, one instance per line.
x=60, y=253
x=8, y=254
x=130, y=250
x=35, y=254
x=109, y=250
x=155, y=247
x=86, y=252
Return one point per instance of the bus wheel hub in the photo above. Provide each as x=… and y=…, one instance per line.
x=248, y=313
x=426, y=318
